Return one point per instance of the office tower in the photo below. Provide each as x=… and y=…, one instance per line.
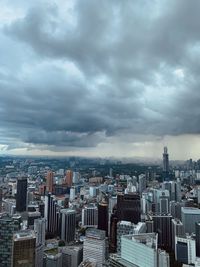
x=128, y=207
x=113, y=233
x=163, y=226
x=142, y=183
x=69, y=178
x=197, y=232
x=149, y=226
x=32, y=216
x=72, y=256
x=103, y=216
x=1, y=197
x=8, y=225
x=39, y=229
x=24, y=248
x=41, y=209
x=52, y=215
x=185, y=250
x=90, y=216
x=72, y=194
x=76, y=177
x=68, y=225
x=189, y=216
x=141, y=250
x=164, y=204
x=21, y=197
x=53, y=260
x=93, y=191
x=165, y=164
x=163, y=258
x=94, y=246
x=50, y=181
x=128, y=228
x=177, y=230
x=175, y=209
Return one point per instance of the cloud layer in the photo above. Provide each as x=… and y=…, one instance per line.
x=88, y=72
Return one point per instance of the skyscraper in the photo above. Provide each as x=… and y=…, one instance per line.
x=103, y=216
x=8, y=225
x=128, y=207
x=197, y=228
x=94, y=246
x=24, y=248
x=163, y=226
x=90, y=216
x=165, y=164
x=189, y=216
x=21, y=197
x=49, y=182
x=68, y=225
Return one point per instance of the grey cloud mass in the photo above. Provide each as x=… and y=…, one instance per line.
x=82, y=73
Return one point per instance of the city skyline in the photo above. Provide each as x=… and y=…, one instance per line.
x=100, y=78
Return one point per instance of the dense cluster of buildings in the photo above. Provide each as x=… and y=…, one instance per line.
x=67, y=218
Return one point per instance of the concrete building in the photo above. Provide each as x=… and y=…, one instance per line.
x=189, y=216
x=177, y=230
x=128, y=228
x=72, y=256
x=21, y=197
x=68, y=225
x=24, y=246
x=141, y=250
x=94, y=246
x=8, y=225
x=185, y=250
x=90, y=216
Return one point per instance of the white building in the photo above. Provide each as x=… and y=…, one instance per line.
x=90, y=216
x=94, y=246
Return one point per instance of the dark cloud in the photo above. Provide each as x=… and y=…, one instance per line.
x=108, y=69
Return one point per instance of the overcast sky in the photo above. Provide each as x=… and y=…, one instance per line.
x=100, y=78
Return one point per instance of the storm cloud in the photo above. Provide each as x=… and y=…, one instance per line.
x=88, y=72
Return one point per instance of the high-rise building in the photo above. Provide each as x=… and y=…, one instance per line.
x=39, y=228
x=72, y=256
x=1, y=197
x=50, y=181
x=141, y=250
x=52, y=215
x=24, y=245
x=197, y=238
x=189, y=216
x=8, y=226
x=21, y=197
x=177, y=230
x=103, y=216
x=90, y=216
x=94, y=246
x=69, y=178
x=185, y=250
x=76, y=177
x=128, y=228
x=68, y=225
x=163, y=226
x=128, y=207
x=165, y=164
x=142, y=183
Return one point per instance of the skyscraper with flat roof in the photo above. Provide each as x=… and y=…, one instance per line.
x=21, y=197
x=189, y=216
x=49, y=181
x=165, y=164
x=24, y=248
x=8, y=226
